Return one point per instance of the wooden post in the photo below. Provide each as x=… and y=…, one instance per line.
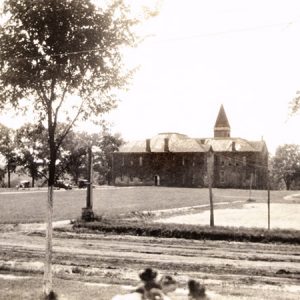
x=87, y=212
x=210, y=176
x=269, y=198
x=89, y=198
x=250, y=188
x=112, y=177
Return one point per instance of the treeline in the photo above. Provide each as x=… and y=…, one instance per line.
x=24, y=151
x=284, y=167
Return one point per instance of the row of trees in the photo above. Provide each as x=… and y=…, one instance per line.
x=285, y=167
x=24, y=151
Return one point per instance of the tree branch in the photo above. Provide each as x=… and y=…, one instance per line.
x=68, y=128
x=60, y=102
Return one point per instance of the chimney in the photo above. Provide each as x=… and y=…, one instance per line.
x=148, y=148
x=233, y=146
x=166, y=145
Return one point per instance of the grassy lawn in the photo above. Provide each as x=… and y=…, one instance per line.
x=29, y=206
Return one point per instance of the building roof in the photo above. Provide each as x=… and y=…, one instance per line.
x=222, y=121
x=176, y=143
x=234, y=145
x=182, y=143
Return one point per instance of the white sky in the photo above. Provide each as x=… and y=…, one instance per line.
x=244, y=54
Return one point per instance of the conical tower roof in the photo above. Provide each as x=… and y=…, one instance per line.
x=222, y=120
x=222, y=127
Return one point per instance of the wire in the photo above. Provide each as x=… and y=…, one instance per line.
x=167, y=40
x=287, y=24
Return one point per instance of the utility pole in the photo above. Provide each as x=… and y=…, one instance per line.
x=250, y=188
x=210, y=176
x=87, y=212
x=269, y=198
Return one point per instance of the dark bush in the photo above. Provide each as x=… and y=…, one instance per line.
x=193, y=232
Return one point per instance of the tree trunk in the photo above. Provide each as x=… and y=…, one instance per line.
x=288, y=184
x=49, y=230
x=47, y=286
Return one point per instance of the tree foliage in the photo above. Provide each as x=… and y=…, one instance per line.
x=286, y=164
x=106, y=145
x=7, y=149
x=32, y=155
x=54, y=49
x=295, y=104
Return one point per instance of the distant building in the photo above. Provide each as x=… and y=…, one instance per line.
x=174, y=159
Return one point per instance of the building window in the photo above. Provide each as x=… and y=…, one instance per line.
x=123, y=161
x=222, y=161
x=131, y=162
x=222, y=177
x=244, y=160
x=141, y=160
x=194, y=162
x=183, y=161
x=229, y=161
x=193, y=179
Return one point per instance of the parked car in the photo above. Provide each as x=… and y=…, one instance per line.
x=24, y=184
x=83, y=183
x=60, y=184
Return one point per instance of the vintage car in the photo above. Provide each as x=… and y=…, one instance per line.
x=83, y=183
x=61, y=184
x=23, y=184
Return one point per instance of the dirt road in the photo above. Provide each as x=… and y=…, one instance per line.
x=229, y=270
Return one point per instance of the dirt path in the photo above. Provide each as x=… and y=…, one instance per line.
x=222, y=266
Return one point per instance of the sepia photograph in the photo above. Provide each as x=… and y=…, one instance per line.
x=149, y=150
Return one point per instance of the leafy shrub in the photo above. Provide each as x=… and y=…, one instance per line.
x=194, y=232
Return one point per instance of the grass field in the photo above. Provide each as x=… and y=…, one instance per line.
x=29, y=206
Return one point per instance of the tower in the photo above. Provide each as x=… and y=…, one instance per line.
x=222, y=127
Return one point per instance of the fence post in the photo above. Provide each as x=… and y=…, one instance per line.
x=269, y=196
x=210, y=177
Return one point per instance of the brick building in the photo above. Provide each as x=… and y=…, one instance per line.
x=173, y=159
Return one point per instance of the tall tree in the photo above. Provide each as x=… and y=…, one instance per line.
x=286, y=163
x=106, y=145
x=32, y=154
x=73, y=156
x=65, y=58
x=7, y=149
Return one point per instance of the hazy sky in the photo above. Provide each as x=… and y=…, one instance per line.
x=244, y=54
